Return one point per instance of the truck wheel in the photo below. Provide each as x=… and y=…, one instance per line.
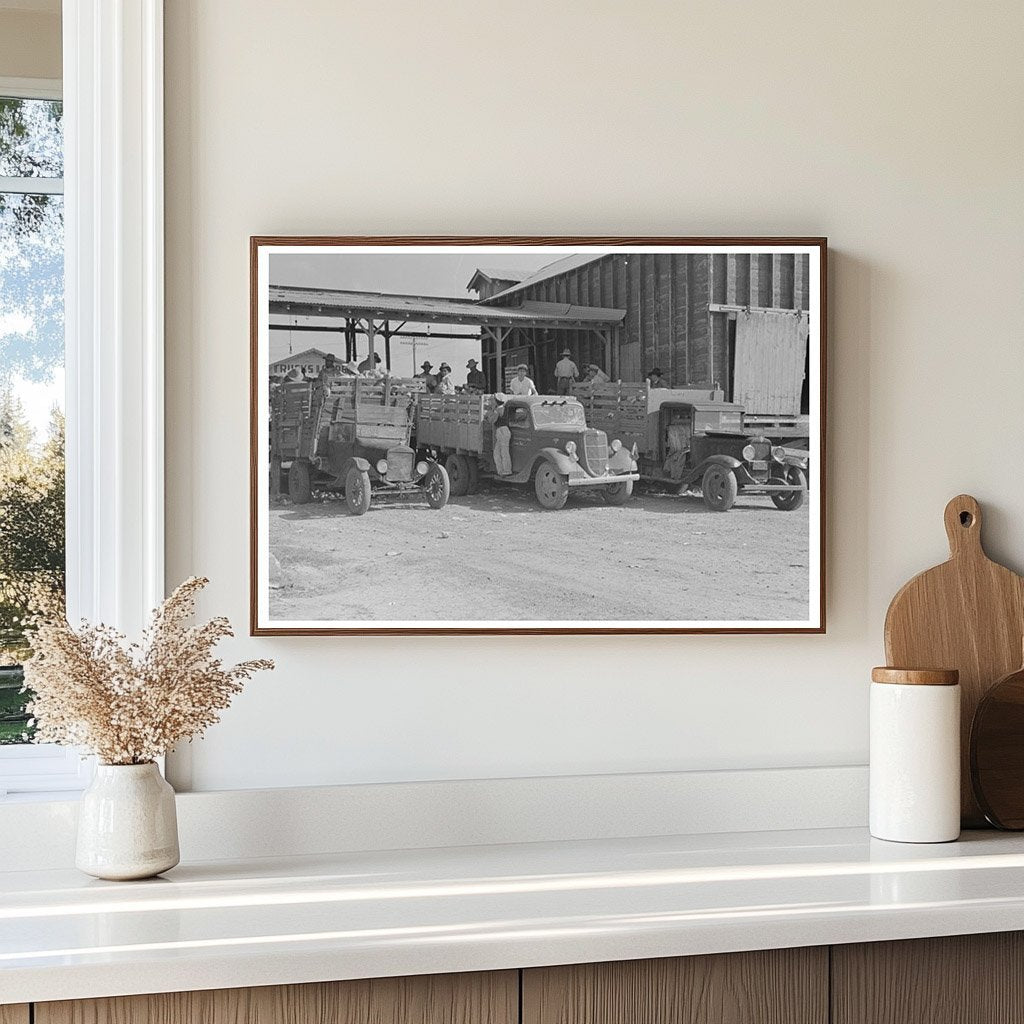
x=474, y=474
x=719, y=488
x=358, y=491
x=458, y=474
x=790, y=501
x=551, y=487
x=618, y=494
x=437, y=486
x=300, y=489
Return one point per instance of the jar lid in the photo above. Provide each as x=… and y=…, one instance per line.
x=916, y=676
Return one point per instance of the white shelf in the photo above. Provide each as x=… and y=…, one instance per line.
x=355, y=915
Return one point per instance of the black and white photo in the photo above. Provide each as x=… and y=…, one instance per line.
x=537, y=435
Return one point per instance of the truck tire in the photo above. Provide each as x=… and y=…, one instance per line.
x=550, y=486
x=358, y=491
x=300, y=488
x=719, y=487
x=457, y=467
x=618, y=494
x=790, y=501
x=474, y=474
x=437, y=486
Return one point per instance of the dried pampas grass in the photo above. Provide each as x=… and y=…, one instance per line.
x=130, y=703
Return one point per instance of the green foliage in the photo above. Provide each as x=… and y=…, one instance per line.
x=31, y=526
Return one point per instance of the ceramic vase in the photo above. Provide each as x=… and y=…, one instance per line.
x=127, y=825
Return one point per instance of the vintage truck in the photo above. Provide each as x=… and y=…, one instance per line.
x=687, y=438
x=352, y=434
x=551, y=445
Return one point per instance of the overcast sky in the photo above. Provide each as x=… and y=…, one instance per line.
x=437, y=274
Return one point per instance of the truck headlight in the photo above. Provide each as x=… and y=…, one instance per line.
x=615, y=446
x=748, y=453
x=421, y=468
x=779, y=454
x=570, y=449
x=382, y=467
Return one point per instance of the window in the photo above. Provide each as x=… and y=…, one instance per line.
x=32, y=531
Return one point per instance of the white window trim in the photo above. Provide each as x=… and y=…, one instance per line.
x=114, y=323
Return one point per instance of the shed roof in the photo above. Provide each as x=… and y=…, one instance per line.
x=314, y=352
x=562, y=266
x=494, y=274
x=335, y=303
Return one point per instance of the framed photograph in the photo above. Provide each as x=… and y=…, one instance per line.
x=537, y=435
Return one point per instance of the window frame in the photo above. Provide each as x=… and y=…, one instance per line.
x=112, y=90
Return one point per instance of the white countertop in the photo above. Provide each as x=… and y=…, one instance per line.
x=227, y=924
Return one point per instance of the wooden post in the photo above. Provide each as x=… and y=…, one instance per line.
x=499, y=337
x=387, y=345
x=371, y=336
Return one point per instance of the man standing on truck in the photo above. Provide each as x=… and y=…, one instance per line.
x=426, y=376
x=595, y=375
x=445, y=384
x=521, y=384
x=476, y=381
x=566, y=371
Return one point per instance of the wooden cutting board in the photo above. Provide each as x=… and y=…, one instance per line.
x=967, y=614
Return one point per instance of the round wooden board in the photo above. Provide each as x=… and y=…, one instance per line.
x=997, y=752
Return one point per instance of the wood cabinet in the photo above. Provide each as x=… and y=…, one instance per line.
x=967, y=979
x=962, y=979
x=491, y=998
x=777, y=986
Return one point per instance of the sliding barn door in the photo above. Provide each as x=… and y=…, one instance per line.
x=771, y=354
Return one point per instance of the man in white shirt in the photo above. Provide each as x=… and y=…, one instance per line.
x=566, y=371
x=521, y=384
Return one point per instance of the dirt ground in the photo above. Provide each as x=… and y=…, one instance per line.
x=498, y=555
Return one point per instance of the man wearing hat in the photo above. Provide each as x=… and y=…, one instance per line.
x=445, y=384
x=656, y=379
x=426, y=376
x=520, y=384
x=476, y=382
x=595, y=375
x=566, y=372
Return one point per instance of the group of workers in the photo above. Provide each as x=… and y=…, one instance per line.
x=441, y=383
x=566, y=374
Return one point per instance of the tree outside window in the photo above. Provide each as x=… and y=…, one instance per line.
x=31, y=386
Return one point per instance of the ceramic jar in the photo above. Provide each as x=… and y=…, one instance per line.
x=915, y=755
x=127, y=824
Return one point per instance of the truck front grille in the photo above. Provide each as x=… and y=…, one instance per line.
x=595, y=452
x=400, y=465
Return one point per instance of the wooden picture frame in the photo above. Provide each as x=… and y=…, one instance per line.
x=697, y=285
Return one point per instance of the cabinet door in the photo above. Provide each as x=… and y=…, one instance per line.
x=962, y=979
x=14, y=1014
x=779, y=986
x=490, y=998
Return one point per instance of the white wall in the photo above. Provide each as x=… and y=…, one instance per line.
x=895, y=129
x=30, y=41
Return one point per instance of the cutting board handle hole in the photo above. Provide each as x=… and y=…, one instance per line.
x=966, y=519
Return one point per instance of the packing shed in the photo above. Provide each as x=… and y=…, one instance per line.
x=731, y=321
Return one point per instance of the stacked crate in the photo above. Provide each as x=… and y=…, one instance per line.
x=619, y=409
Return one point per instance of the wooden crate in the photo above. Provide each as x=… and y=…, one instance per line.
x=452, y=421
x=619, y=409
